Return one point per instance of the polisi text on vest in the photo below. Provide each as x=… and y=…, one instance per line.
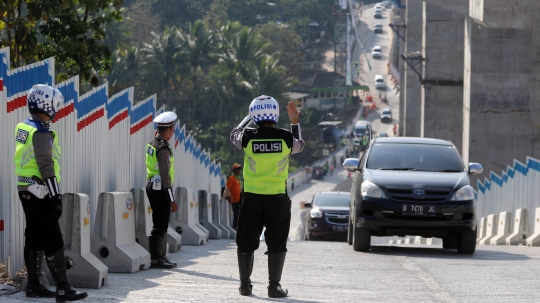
x=267, y=147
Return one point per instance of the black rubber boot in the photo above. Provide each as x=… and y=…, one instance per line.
x=34, y=262
x=275, y=268
x=245, y=266
x=57, y=266
x=163, y=249
x=157, y=252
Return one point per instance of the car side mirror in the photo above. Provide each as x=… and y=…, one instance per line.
x=475, y=168
x=306, y=204
x=351, y=164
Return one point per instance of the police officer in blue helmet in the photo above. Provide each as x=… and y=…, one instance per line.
x=266, y=203
x=37, y=168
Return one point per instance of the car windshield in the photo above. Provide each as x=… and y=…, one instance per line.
x=333, y=200
x=379, y=80
x=386, y=111
x=359, y=130
x=415, y=157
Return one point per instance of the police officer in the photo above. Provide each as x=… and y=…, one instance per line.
x=160, y=175
x=38, y=173
x=266, y=204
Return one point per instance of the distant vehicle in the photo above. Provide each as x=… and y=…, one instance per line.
x=412, y=186
x=377, y=51
x=386, y=114
x=361, y=128
x=327, y=216
x=377, y=14
x=377, y=28
x=379, y=82
x=382, y=135
x=385, y=3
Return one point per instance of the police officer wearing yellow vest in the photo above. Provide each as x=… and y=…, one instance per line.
x=38, y=174
x=160, y=175
x=266, y=204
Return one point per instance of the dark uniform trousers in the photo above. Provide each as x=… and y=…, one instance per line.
x=42, y=230
x=161, y=209
x=258, y=211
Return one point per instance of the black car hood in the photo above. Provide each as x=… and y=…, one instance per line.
x=416, y=179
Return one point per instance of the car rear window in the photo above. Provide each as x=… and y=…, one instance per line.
x=379, y=80
x=415, y=157
x=335, y=200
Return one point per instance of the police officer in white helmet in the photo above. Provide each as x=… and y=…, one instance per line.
x=266, y=204
x=160, y=175
x=37, y=168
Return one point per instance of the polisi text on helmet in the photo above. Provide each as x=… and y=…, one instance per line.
x=262, y=106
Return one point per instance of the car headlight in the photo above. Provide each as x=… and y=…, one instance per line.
x=464, y=193
x=315, y=213
x=369, y=189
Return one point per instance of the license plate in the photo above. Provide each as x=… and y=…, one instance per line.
x=340, y=228
x=419, y=210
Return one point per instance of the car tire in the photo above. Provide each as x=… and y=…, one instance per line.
x=361, y=239
x=311, y=237
x=449, y=243
x=350, y=233
x=466, y=242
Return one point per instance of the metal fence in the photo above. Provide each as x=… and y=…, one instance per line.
x=103, y=146
x=517, y=187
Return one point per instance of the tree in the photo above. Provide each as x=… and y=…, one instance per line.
x=71, y=31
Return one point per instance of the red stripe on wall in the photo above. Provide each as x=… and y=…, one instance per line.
x=1, y=85
x=117, y=119
x=1, y=225
x=140, y=125
x=64, y=112
x=16, y=103
x=90, y=119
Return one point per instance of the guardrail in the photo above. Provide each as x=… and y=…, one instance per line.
x=103, y=146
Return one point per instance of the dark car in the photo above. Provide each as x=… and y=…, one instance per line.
x=412, y=186
x=327, y=216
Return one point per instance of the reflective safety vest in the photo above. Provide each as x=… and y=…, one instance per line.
x=266, y=166
x=152, y=165
x=26, y=165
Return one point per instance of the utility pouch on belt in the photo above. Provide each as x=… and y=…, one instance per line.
x=40, y=191
x=156, y=182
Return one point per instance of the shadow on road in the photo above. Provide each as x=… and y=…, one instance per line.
x=440, y=253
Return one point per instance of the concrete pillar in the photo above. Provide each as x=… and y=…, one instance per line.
x=411, y=82
x=442, y=47
x=534, y=88
x=496, y=101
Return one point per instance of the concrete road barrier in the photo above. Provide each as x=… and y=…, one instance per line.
x=226, y=210
x=534, y=239
x=504, y=229
x=174, y=240
x=143, y=217
x=205, y=212
x=391, y=242
x=113, y=241
x=87, y=270
x=521, y=228
x=419, y=240
x=399, y=242
x=481, y=229
x=216, y=215
x=491, y=229
x=195, y=200
x=408, y=241
x=433, y=241
x=184, y=219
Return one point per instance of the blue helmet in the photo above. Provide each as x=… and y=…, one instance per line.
x=44, y=99
x=264, y=109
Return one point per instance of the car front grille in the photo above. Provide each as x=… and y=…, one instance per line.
x=337, y=218
x=407, y=195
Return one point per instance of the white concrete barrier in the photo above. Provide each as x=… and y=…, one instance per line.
x=226, y=210
x=481, y=226
x=433, y=241
x=408, y=241
x=113, y=241
x=391, y=242
x=521, y=228
x=143, y=217
x=419, y=240
x=504, y=229
x=399, y=242
x=184, y=221
x=87, y=270
x=216, y=215
x=205, y=209
x=534, y=239
x=491, y=229
x=197, y=214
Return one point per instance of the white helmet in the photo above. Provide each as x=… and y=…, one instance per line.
x=44, y=99
x=264, y=109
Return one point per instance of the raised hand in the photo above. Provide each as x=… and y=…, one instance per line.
x=294, y=113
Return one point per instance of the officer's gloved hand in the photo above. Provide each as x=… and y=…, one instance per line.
x=57, y=206
x=174, y=207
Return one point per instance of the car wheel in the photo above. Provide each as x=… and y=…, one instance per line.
x=449, y=243
x=311, y=237
x=361, y=239
x=466, y=242
x=350, y=233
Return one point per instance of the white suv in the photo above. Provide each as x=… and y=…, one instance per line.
x=377, y=51
x=379, y=81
